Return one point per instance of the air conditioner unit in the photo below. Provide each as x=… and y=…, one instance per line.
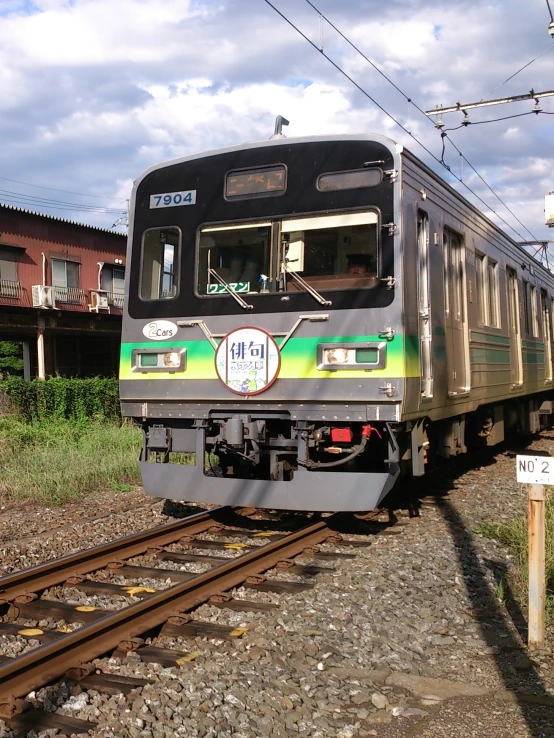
x=98, y=301
x=43, y=296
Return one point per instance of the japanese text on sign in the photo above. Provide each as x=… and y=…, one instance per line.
x=247, y=360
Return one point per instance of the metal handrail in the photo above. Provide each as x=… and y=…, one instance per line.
x=116, y=299
x=10, y=288
x=74, y=295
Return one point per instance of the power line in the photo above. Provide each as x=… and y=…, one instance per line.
x=364, y=92
x=35, y=201
x=43, y=202
x=360, y=52
x=410, y=101
x=7, y=200
x=55, y=189
x=522, y=68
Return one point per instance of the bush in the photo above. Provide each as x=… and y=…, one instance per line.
x=60, y=398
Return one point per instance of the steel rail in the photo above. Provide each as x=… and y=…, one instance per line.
x=51, y=661
x=52, y=573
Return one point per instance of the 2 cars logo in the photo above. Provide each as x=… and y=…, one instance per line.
x=160, y=330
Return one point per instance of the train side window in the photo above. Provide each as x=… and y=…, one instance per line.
x=487, y=290
x=534, y=312
x=526, y=307
x=492, y=275
x=480, y=286
x=159, y=265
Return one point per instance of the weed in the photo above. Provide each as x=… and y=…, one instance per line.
x=119, y=487
x=59, y=460
x=513, y=533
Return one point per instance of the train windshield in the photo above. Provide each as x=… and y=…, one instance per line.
x=234, y=257
x=328, y=252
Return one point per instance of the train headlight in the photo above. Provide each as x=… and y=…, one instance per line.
x=335, y=356
x=172, y=359
x=352, y=356
x=148, y=360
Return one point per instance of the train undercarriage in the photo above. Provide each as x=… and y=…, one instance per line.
x=272, y=460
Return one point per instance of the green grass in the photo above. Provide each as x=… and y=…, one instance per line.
x=60, y=460
x=513, y=533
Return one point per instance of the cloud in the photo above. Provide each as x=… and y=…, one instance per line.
x=96, y=91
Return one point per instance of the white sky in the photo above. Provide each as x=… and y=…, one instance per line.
x=96, y=91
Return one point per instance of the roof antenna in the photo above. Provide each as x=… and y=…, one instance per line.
x=279, y=123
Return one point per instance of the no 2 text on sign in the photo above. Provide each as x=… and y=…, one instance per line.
x=535, y=469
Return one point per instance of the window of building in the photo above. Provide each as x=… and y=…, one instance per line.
x=113, y=281
x=160, y=258
x=66, y=280
x=9, y=284
x=486, y=274
x=65, y=273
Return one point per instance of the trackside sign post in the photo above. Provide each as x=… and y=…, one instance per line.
x=536, y=471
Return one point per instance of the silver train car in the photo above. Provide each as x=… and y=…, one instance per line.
x=309, y=319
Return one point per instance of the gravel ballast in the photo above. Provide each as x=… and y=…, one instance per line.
x=408, y=638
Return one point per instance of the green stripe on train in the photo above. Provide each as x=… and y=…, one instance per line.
x=489, y=356
x=481, y=337
x=298, y=359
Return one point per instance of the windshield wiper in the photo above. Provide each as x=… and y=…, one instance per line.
x=245, y=305
x=308, y=287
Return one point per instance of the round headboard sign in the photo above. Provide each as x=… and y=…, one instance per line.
x=247, y=361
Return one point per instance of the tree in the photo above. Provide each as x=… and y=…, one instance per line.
x=11, y=358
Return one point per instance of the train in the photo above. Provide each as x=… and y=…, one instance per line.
x=308, y=320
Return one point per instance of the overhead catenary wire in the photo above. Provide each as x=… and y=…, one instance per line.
x=441, y=161
x=467, y=123
x=397, y=122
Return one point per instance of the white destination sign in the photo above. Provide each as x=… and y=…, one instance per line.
x=535, y=469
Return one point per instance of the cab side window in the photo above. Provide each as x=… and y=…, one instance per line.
x=159, y=265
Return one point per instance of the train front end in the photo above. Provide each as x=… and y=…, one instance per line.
x=263, y=352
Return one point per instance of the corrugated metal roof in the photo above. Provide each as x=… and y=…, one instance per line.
x=61, y=220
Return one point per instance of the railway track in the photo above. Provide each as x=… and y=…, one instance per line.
x=67, y=655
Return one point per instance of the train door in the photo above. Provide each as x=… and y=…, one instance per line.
x=457, y=347
x=516, y=360
x=424, y=306
x=545, y=307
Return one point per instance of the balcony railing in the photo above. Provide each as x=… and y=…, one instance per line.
x=116, y=299
x=73, y=295
x=8, y=288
